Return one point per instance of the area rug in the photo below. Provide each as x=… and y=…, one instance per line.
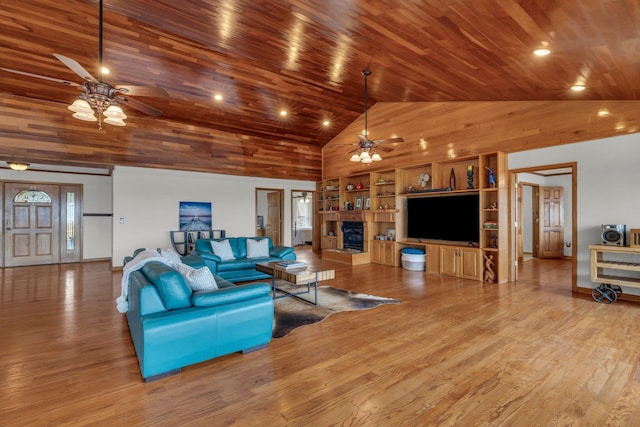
x=291, y=313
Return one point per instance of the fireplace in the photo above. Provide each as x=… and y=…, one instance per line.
x=353, y=235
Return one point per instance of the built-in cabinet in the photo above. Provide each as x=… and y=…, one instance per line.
x=383, y=252
x=379, y=200
x=461, y=262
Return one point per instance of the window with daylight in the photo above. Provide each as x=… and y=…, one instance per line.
x=71, y=222
x=32, y=196
x=303, y=212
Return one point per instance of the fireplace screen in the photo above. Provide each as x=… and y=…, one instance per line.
x=353, y=233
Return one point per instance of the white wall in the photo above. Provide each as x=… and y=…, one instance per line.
x=96, y=232
x=608, y=177
x=148, y=199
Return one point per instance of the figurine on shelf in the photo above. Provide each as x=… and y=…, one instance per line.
x=494, y=241
x=470, y=177
x=492, y=177
x=489, y=274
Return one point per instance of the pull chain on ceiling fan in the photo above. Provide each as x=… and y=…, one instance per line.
x=100, y=97
x=367, y=151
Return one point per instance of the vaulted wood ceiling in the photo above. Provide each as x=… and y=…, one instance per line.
x=304, y=56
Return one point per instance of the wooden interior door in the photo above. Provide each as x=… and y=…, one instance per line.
x=32, y=223
x=274, y=216
x=520, y=225
x=551, y=222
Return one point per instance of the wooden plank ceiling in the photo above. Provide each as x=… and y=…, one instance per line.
x=304, y=56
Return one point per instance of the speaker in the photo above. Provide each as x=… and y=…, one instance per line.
x=614, y=234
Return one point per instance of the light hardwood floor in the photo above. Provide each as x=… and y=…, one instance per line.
x=454, y=352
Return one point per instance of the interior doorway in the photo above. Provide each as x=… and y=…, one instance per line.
x=302, y=203
x=527, y=232
x=270, y=213
x=543, y=215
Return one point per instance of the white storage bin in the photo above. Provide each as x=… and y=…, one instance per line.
x=414, y=262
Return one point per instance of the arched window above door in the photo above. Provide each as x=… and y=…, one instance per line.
x=32, y=196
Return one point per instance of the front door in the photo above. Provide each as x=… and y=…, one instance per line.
x=32, y=224
x=551, y=222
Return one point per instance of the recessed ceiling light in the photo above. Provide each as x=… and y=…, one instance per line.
x=326, y=123
x=578, y=88
x=283, y=113
x=217, y=97
x=104, y=70
x=542, y=52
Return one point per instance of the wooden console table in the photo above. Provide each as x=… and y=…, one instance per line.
x=615, y=265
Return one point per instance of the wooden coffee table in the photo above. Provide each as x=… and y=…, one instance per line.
x=309, y=276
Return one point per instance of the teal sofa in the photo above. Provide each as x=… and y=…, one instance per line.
x=172, y=326
x=240, y=269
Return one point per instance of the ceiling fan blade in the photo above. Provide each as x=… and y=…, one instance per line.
x=140, y=106
x=143, y=91
x=75, y=67
x=383, y=148
x=38, y=76
x=362, y=138
x=388, y=140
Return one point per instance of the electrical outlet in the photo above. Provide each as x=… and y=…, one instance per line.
x=121, y=220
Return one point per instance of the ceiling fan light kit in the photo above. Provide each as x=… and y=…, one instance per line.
x=99, y=97
x=365, y=145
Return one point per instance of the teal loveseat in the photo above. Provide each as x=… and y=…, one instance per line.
x=240, y=268
x=172, y=326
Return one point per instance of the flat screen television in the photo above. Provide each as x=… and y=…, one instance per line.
x=454, y=217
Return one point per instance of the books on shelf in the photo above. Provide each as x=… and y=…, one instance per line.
x=292, y=264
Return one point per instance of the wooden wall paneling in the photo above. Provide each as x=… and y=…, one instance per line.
x=42, y=132
x=437, y=131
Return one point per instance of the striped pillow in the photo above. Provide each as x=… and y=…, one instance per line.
x=198, y=279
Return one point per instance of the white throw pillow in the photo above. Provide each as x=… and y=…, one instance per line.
x=257, y=248
x=171, y=256
x=198, y=279
x=222, y=249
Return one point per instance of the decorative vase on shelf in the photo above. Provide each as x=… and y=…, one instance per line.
x=452, y=180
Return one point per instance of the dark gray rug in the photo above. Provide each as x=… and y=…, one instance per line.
x=291, y=313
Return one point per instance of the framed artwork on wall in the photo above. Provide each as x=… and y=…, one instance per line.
x=195, y=216
x=390, y=233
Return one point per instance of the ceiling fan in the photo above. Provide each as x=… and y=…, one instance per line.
x=367, y=149
x=98, y=96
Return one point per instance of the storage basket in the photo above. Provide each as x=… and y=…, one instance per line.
x=413, y=259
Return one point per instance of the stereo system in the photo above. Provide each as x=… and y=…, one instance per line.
x=614, y=234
